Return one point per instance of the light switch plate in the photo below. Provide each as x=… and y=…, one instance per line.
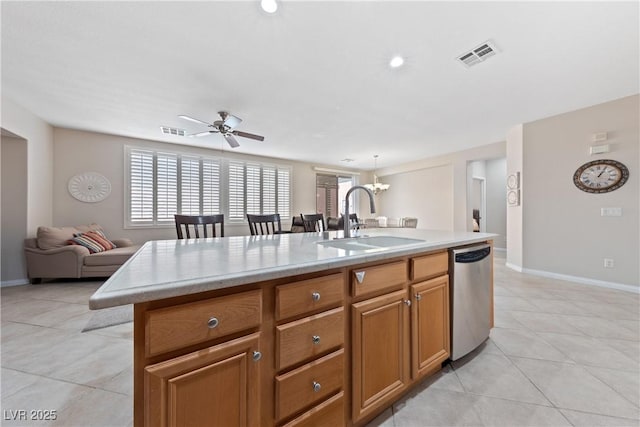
x=610, y=211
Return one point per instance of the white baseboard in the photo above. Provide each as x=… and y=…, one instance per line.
x=578, y=279
x=514, y=267
x=16, y=282
x=500, y=249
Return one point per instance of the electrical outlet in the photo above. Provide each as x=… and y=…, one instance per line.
x=608, y=263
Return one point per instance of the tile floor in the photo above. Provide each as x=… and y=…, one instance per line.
x=561, y=354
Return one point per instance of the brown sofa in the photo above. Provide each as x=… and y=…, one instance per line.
x=50, y=256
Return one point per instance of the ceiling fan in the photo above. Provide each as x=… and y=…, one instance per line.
x=226, y=127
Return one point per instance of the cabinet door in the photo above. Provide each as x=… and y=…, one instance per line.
x=380, y=351
x=430, y=341
x=216, y=386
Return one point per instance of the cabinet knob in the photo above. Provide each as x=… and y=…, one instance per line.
x=316, y=339
x=315, y=296
x=418, y=297
x=213, y=322
x=360, y=276
x=316, y=386
x=408, y=302
x=257, y=356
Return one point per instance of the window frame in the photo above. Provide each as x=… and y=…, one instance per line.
x=224, y=190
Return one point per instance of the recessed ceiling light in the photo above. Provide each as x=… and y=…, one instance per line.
x=396, y=62
x=269, y=6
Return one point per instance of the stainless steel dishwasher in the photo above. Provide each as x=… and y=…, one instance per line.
x=470, y=297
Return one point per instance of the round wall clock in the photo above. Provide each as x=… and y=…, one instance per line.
x=601, y=176
x=89, y=187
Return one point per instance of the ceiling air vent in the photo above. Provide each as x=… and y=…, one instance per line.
x=478, y=54
x=172, y=131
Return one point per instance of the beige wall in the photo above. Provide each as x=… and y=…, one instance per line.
x=79, y=151
x=39, y=136
x=14, y=209
x=563, y=231
x=457, y=179
x=426, y=194
x=496, y=215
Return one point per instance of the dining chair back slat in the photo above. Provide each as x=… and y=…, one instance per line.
x=199, y=225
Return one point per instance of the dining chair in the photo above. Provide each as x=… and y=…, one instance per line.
x=313, y=222
x=264, y=224
x=199, y=224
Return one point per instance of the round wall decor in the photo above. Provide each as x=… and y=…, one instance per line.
x=601, y=176
x=89, y=187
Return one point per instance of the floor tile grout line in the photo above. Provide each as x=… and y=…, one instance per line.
x=68, y=382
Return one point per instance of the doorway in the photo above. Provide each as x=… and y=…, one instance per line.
x=479, y=204
x=331, y=191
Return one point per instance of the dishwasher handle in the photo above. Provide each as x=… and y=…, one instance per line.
x=473, y=256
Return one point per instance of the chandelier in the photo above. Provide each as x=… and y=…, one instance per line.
x=376, y=187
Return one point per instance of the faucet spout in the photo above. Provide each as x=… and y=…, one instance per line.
x=372, y=203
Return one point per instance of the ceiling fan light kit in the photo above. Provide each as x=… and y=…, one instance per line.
x=226, y=127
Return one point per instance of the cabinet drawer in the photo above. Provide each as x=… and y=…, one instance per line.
x=180, y=326
x=305, y=338
x=309, y=384
x=302, y=297
x=380, y=277
x=427, y=266
x=329, y=413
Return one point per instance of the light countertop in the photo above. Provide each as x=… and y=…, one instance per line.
x=169, y=268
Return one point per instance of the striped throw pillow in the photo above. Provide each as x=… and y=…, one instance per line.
x=95, y=241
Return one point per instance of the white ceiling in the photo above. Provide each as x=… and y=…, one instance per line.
x=314, y=77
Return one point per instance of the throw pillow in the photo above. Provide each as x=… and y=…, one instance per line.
x=95, y=241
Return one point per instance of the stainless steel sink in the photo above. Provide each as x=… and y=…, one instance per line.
x=368, y=242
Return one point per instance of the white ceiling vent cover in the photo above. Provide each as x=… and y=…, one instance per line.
x=172, y=131
x=478, y=54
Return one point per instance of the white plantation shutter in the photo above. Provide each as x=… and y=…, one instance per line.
x=141, y=186
x=190, y=186
x=269, y=189
x=236, y=191
x=253, y=189
x=162, y=184
x=167, y=186
x=211, y=187
x=284, y=192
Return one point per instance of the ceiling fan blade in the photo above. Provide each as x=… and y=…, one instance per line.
x=248, y=135
x=191, y=119
x=231, y=140
x=207, y=132
x=230, y=120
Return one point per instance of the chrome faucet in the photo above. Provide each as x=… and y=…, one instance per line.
x=347, y=226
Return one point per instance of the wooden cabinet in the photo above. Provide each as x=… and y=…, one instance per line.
x=430, y=340
x=380, y=345
x=398, y=337
x=216, y=386
x=313, y=386
x=315, y=350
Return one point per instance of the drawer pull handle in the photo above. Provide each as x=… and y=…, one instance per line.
x=360, y=276
x=213, y=322
x=316, y=386
x=257, y=356
x=316, y=339
x=408, y=302
x=418, y=297
x=315, y=296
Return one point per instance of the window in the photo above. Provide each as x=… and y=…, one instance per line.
x=161, y=184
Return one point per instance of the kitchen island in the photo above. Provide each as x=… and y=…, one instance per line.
x=290, y=329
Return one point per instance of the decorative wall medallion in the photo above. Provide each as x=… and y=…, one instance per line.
x=513, y=181
x=513, y=197
x=89, y=187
